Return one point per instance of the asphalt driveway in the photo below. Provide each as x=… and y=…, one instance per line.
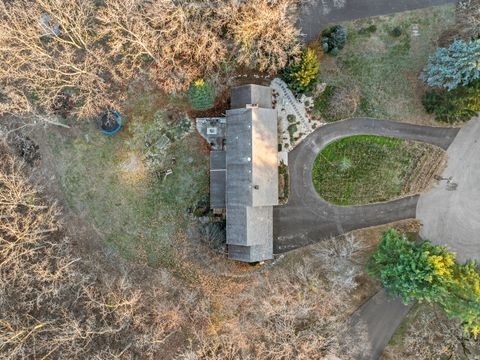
x=315, y=15
x=450, y=213
x=307, y=218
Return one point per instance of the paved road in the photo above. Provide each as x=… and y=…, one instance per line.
x=374, y=324
x=307, y=218
x=315, y=15
x=452, y=217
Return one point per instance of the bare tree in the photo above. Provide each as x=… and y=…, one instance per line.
x=80, y=55
x=56, y=305
x=175, y=42
x=340, y=258
x=263, y=32
x=468, y=18
x=49, y=53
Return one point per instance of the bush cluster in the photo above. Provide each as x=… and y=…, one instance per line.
x=201, y=95
x=334, y=39
x=457, y=105
x=302, y=76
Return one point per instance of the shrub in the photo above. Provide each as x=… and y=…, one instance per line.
x=213, y=234
x=344, y=164
x=396, y=31
x=201, y=95
x=302, y=76
x=460, y=104
x=368, y=30
x=292, y=129
x=457, y=65
x=291, y=118
x=334, y=39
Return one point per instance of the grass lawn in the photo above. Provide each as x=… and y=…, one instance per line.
x=365, y=169
x=105, y=180
x=379, y=70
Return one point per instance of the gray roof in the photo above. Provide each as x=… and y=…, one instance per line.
x=251, y=94
x=217, y=179
x=252, y=175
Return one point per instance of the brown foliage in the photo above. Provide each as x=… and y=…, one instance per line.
x=48, y=50
x=431, y=335
x=286, y=313
x=55, y=305
x=80, y=55
x=468, y=19
x=179, y=42
x=264, y=32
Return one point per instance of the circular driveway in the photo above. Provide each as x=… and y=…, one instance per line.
x=307, y=218
x=450, y=214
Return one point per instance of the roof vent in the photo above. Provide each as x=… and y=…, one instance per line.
x=256, y=187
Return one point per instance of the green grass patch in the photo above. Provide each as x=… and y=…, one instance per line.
x=136, y=212
x=322, y=102
x=365, y=169
x=383, y=65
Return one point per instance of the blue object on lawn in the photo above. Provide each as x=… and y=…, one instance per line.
x=119, y=120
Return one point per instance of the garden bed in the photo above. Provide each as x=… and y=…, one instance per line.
x=366, y=169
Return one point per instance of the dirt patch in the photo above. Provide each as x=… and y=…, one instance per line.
x=422, y=177
x=133, y=168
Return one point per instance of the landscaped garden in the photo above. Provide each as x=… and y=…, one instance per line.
x=366, y=169
x=376, y=73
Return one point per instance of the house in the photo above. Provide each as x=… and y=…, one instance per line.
x=244, y=175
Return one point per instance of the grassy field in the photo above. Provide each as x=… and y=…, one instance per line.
x=105, y=179
x=378, y=69
x=365, y=169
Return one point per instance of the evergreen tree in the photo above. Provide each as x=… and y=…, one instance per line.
x=302, y=76
x=334, y=39
x=451, y=67
x=425, y=272
x=201, y=95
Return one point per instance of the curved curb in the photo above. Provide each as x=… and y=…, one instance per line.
x=307, y=218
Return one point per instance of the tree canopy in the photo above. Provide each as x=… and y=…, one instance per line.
x=457, y=65
x=425, y=272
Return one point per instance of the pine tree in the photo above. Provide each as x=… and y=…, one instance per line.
x=457, y=65
x=302, y=77
x=201, y=95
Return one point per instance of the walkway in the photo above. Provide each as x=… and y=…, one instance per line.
x=307, y=218
x=451, y=214
x=315, y=15
x=374, y=324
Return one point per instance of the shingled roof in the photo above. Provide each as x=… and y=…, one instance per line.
x=252, y=174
